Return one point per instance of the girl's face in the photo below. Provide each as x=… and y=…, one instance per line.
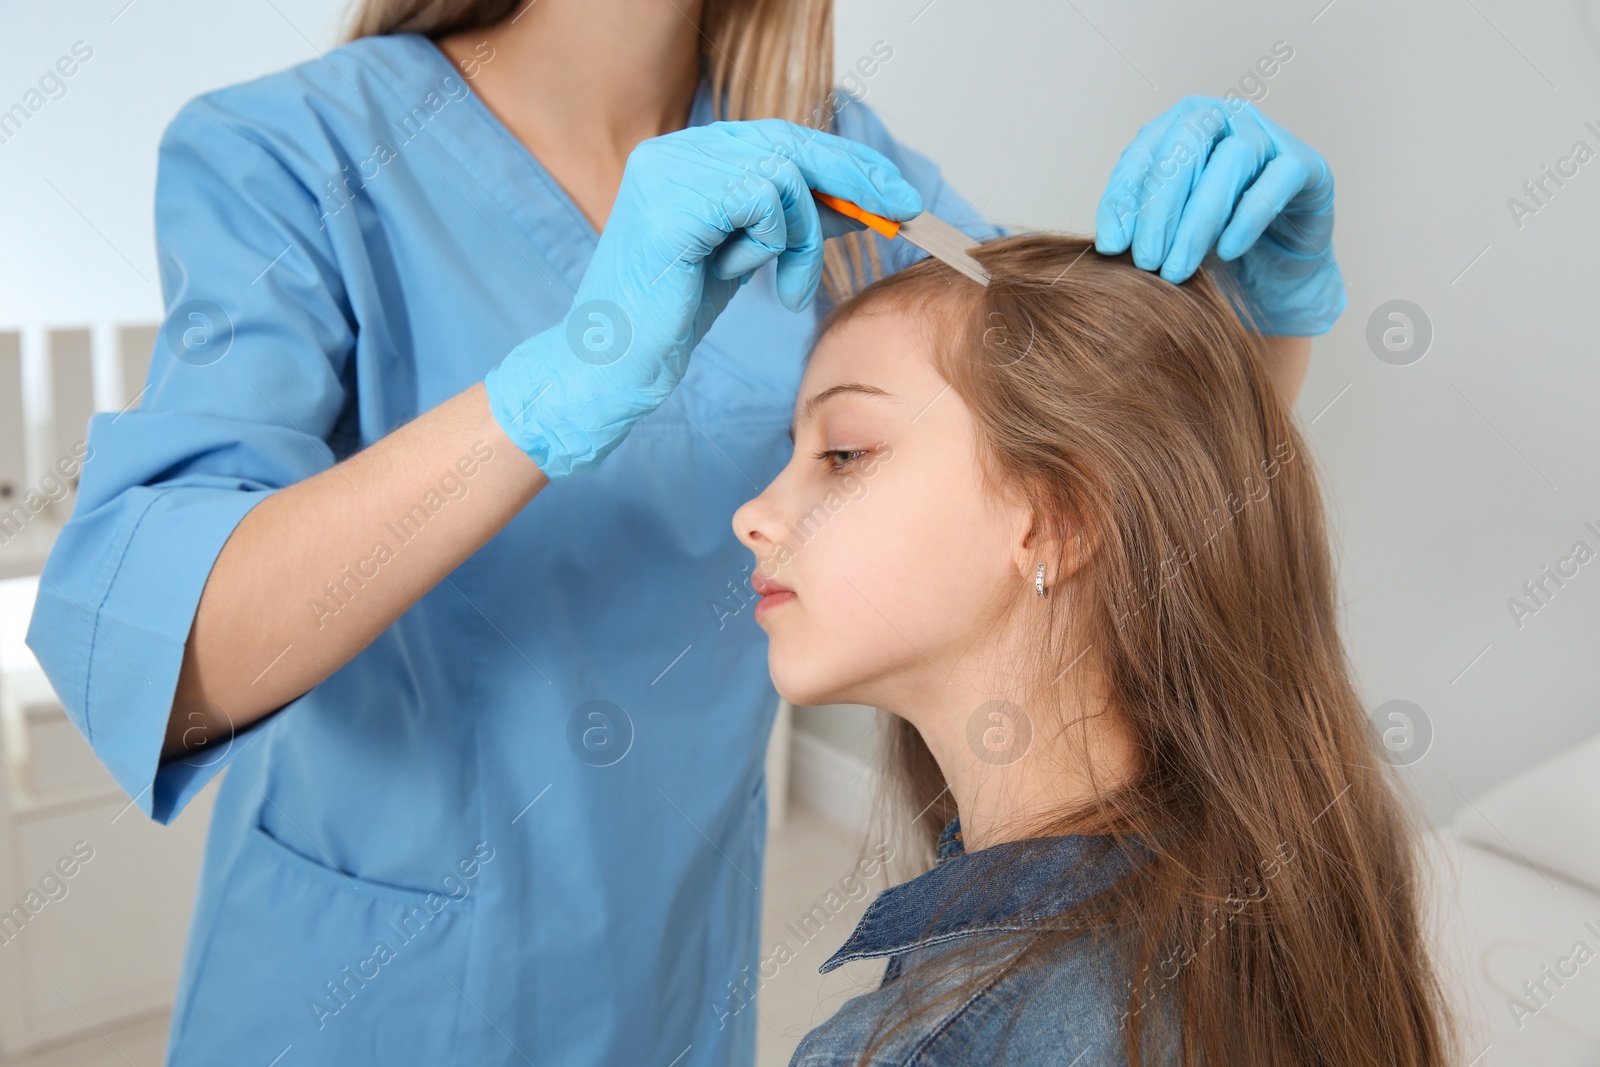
x=881, y=559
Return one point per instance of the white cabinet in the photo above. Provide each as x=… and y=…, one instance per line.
x=94, y=898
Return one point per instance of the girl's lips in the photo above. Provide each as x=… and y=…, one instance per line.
x=764, y=585
x=772, y=600
x=772, y=594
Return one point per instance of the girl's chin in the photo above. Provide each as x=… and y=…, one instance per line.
x=800, y=687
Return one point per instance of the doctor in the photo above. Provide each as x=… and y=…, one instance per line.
x=496, y=790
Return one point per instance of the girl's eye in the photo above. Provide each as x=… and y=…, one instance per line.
x=840, y=458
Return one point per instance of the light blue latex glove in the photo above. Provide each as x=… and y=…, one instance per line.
x=1212, y=171
x=698, y=211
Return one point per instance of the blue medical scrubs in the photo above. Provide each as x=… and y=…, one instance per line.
x=526, y=824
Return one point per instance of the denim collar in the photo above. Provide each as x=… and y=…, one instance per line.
x=1008, y=886
x=950, y=843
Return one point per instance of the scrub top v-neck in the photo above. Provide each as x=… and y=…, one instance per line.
x=526, y=823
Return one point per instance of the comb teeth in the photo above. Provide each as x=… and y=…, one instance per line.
x=946, y=243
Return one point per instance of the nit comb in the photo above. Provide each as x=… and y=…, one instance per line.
x=927, y=231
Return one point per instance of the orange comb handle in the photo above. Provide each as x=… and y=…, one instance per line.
x=887, y=227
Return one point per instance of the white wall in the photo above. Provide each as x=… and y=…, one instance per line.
x=78, y=181
x=1452, y=481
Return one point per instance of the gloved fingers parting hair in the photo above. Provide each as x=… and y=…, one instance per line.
x=1262, y=203
x=1228, y=175
x=1120, y=201
x=1196, y=128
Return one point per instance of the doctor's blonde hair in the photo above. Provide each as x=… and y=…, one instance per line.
x=1279, y=919
x=764, y=58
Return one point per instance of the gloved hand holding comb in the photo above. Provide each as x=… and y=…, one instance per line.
x=698, y=211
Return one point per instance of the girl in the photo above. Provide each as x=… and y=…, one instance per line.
x=1064, y=530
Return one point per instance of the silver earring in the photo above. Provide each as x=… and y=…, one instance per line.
x=1038, y=580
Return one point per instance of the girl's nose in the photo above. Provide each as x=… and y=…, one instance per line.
x=752, y=521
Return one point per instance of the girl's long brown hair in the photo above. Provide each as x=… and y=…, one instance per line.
x=764, y=58
x=1278, y=920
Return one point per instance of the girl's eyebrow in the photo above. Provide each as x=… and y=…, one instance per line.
x=815, y=401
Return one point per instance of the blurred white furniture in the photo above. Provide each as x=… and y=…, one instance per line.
x=1517, y=881
x=778, y=759
x=51, y=381
x=78, y=952
x=106, y=943
x=839, y=783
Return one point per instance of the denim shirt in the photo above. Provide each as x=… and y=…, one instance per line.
x=1062, y=1006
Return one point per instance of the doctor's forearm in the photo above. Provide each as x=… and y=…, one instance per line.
x=1287, y=358
x=316, y=571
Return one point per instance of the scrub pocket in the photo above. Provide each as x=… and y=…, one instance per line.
x=341, y=970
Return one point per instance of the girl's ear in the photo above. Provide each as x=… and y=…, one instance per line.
x=1063, y=550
